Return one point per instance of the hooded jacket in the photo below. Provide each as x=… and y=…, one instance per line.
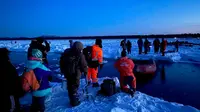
x=42, y=74
x=125, y=66
x=77, y=51
x=37, y=45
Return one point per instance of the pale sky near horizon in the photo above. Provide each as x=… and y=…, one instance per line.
x=30, y=18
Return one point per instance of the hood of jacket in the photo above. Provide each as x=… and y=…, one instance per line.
x=32, y=64
x=77, y=48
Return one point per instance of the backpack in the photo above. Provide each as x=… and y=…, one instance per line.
x=88, y=56
x=69, y=63
x=29, y=82
x=108, y=87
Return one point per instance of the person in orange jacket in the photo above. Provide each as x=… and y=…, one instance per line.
x=125, y=66
x=97, y=60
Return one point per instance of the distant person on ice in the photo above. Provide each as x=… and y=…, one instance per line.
x=156, y=44
x=95, y=61
x=125, y=66
x=140, y=45
x=146, y=46
x=37, y=44
x=11, y=83
x=123, y=44
x=72, y=65
x=176, y=45
x=163, y=46
x=129, y=46
x=43, y=75
x=71, y=43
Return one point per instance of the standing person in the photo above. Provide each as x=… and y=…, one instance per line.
x=96, y=61
x=43, y=74
x=10, y=81
x=125, y=67
x=123, y=44
x=71, y=43
x=156, y=44
x=176, y=45
x=129, y=46
x=72, y=65
x=163, y=46
x=146, y=46
x=140, y=45
x=37, y=44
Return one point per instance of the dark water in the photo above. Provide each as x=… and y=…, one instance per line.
x=174, y=82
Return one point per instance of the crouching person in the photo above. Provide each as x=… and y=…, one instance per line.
x=125, y=67
x=72, y=65
x=43, y=75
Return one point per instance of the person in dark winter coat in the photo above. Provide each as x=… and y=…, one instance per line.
x=163, y=46
x=129, y=46
x=37, y=44
x=146, y=46
x=140, y=45
x=72, y=65
x=156, y=44
x=11, y=83
x=123, y=44
x=176, y=45
x=43, y=75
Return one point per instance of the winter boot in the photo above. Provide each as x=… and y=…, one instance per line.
x=131, y=92
x=74, y=101
x=95, y=84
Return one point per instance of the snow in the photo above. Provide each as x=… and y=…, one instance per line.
x=58, y=101
x=121, y=102
x=112, y=49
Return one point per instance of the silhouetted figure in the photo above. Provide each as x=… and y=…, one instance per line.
x=129, y=46
x=156, y=44
x=163, y=73
x=72, y=65
x=123, y=44
x=176, y=45
x=10, y=82
x=71, y=43
x=37, y=44
x=140, y=45
x=146, y=46
x=163, y=46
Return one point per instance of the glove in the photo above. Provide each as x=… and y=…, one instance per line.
x=101, y=66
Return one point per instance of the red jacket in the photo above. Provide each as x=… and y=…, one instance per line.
x=125, y=66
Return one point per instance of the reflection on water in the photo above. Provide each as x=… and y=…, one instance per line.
x=162, y=73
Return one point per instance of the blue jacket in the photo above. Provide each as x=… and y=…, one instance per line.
x=42, y=74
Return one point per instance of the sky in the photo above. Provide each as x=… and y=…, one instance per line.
x=30, y=18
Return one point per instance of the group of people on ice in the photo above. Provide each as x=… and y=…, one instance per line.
x=158, y=46
x=74, y=62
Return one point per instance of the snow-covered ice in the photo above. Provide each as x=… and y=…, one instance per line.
x=121, y=102
x=112, y=49
x=58, y=101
